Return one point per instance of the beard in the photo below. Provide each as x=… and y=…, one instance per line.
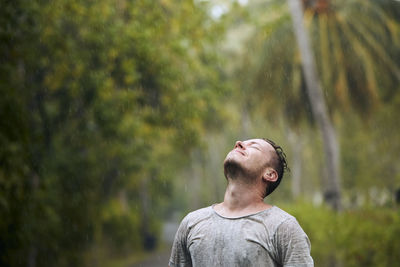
x=233, y=170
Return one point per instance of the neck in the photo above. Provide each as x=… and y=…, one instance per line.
x=242, y=199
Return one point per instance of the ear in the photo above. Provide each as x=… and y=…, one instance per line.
x=270, y=175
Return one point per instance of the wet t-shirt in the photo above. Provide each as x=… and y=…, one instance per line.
x=268, y=238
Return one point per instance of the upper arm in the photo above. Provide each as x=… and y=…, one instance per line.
x=180, y=255
x=293, y=244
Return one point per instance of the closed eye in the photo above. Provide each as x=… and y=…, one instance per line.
x=255, y=145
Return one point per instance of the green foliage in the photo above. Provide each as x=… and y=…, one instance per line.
x=357, y=61
x=357, y=71
x=363, y=237
x=111, y=118
x=98, y=100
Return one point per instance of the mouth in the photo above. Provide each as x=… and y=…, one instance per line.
x=240, y=152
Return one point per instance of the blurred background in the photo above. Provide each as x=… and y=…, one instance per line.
x=115, y=117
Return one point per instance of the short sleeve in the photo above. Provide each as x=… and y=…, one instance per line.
x=180, y=256
x=293, y=245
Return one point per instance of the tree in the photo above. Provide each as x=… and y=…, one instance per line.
x=318, y=107
x=102, y=101
x=355, y=76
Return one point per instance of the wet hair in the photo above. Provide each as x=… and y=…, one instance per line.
x=278, y=163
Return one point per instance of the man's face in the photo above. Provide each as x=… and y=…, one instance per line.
x=248, y=158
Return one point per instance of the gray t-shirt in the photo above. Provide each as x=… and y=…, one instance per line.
x=268, y=238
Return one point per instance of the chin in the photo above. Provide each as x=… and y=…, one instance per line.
x=231, y=159
x=232, y=168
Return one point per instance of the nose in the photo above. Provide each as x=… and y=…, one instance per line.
x=239, y=144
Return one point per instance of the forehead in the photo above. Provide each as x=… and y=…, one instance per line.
x=262, y=143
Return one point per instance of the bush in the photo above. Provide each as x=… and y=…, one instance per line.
x=363, y=237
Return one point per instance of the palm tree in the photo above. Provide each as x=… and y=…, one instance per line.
x=318, y=107
x=354, y=70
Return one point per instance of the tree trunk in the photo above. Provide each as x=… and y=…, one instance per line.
x=196, y=178
x=296, y=169
x=149, y=239
x=318, y=107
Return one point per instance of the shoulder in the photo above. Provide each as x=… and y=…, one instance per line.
x=274, y=217
x=286, y=221
x=197, y=216
x=281, y=223
x=190, y=220
x=281, y=215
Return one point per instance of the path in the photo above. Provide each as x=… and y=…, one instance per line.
x=160, y=258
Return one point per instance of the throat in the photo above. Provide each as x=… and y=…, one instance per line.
x=241, y=200
x=233, y=212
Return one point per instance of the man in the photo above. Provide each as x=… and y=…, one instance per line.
x=243, y=230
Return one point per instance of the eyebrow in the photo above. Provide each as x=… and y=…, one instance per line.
x=254, y=142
